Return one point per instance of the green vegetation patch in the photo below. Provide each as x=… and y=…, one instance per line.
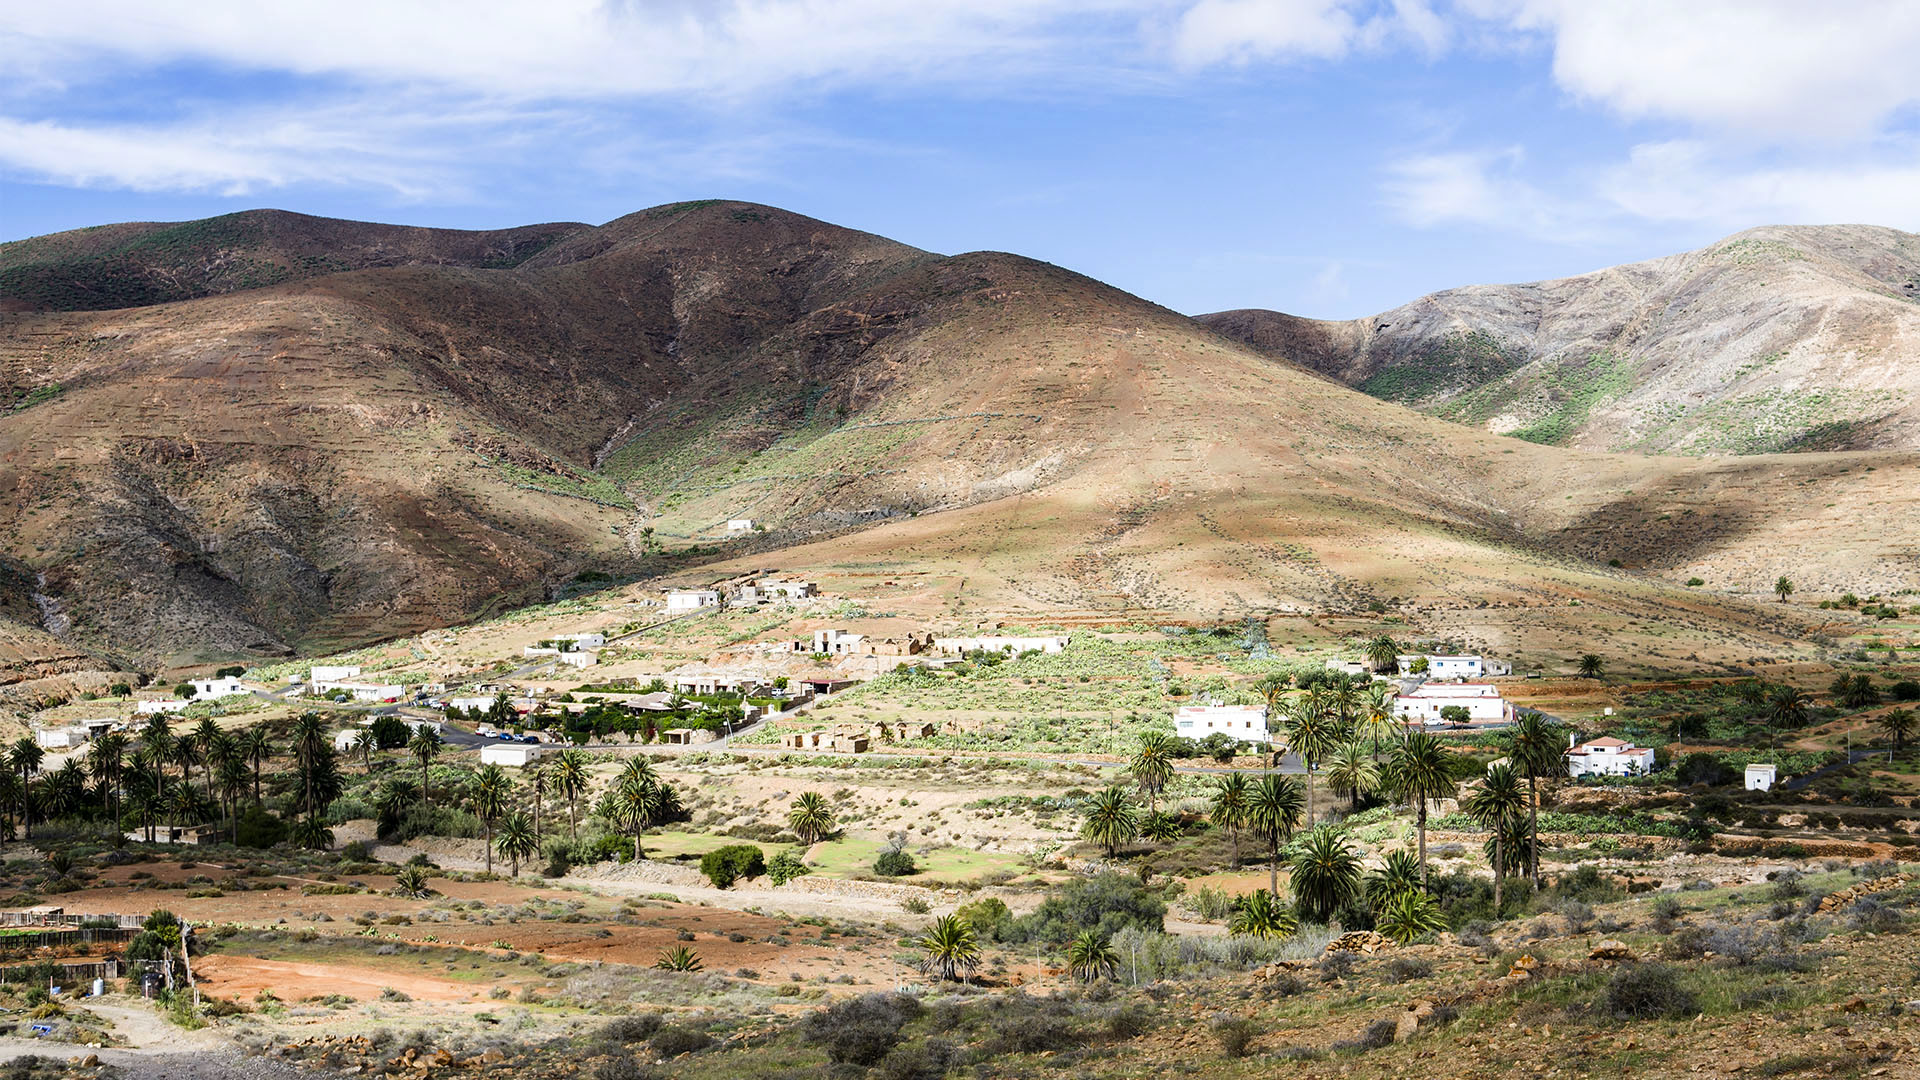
x=1456, y=363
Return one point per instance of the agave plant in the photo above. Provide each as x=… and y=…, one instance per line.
x=1160, y=827
x=678, y=958
x=1262, y=915
x=59, y=863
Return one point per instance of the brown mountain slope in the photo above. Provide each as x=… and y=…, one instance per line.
x=117, y=266
x=1778, y=338
x=378, y=451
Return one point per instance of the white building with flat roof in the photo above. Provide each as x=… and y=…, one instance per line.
x=361, y=691
x=334, y=674
x=204, y=689
x=1247, y=723
x=510, y=755
x=161, y=705
x=60, y=738
x=686, y=600
x=1424, y=704
x=1761, y=776
x=1000, y=643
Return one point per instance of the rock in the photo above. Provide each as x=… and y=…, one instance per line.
x=1610, y=949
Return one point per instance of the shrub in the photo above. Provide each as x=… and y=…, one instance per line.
x=893, y=863
x=929, y=1060
x=786, y=866
x=1905, y=690
x=1235, y=1035
x=1644, y=991
x=861, y=1030
x=621, y=1066
x=987, y=915
x=630, y=1029
x=723, y=866
x=1402, y=969
x=256, y=828
x=1106, y=905
x=676, y=1040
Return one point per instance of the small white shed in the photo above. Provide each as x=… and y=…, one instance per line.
x=1761, y=777
x=510, y=755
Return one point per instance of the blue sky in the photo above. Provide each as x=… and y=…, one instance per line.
x=1323, y=157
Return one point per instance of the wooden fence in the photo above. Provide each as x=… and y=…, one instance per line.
x=61, y=939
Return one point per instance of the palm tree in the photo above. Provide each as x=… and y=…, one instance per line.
x=810, y=817
x=232, y=777
x=107, y=760
x=952, y=952
x=570, y=779
x=518, y=840
x=1538, y=753
x=1898, y=724
x=1421, y=773
x=1090, y=956
x=257, y=746
x=1312, y=733
x=366, y=742
x=638, y=798
x=1352, y=771
x=1376, y=716
x=491, y=790
x=1261, y=914
x=1111, y=820
x=1406, y=917
x=537, y=779
x=1159, y=827
x=1592, y=666
x=1152, y=764
x=1326, y=874
x=424, y=746
x=25, y=757
x=1787, y=707
x=1229, y=808
x=1383, y=653
x=1783, y=588
x=1273, y=811
x=187, y=754
x=1498, y=803
x=206, y=738
x=1399, y=872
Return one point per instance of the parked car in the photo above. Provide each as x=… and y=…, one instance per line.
x=505, y=736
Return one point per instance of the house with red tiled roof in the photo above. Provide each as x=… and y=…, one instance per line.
x=1608, y=756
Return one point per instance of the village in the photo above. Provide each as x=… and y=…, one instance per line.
x=723, y=792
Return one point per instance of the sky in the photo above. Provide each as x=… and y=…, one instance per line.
x=1331, y=158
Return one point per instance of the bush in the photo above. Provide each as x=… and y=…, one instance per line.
x=1645, y=991
x=621, y=1066
x=1235, y=1035
x=893, y=863
x=724, y=866
x=1106, y=905
x=929, y=1060
x=676, y=1040
x=257, y=828
x=988, y=915
x=1403, y=969
x=861, y=1030
x=637, y=1028
x=1905, y=690
x=785, y=867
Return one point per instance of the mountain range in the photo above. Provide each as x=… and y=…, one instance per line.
x=267, y=433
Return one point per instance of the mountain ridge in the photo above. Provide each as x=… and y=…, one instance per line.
x=1777, y=338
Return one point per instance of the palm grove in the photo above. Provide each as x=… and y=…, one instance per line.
x=274, y=783
x=1353, y=750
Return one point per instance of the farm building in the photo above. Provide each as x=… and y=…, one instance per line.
x=1608, y=756
x=1248, y=723
x=1424, y=704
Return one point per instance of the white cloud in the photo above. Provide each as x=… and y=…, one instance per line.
x=1766, y=70
x=1245, y=31
x=1687, y=181
x=1478, y=188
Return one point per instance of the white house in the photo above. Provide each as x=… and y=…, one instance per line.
x=162, y=705
x=1760, y=777
x=511, y=755
x=1349, y=667
x=784, y=589
x=740, y=525
x=360, y=691
x=465, y=703
x=216, y=688
x=1423, y=704
x=1608, y=756
x=347, y=740
x=578, y=659
x=837, y=642
x=60, y=738
x=1448, y=667
x=1247, y=723
x=685, y=600
x=1001, y=643
x=566, y=643
x=334, y=674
